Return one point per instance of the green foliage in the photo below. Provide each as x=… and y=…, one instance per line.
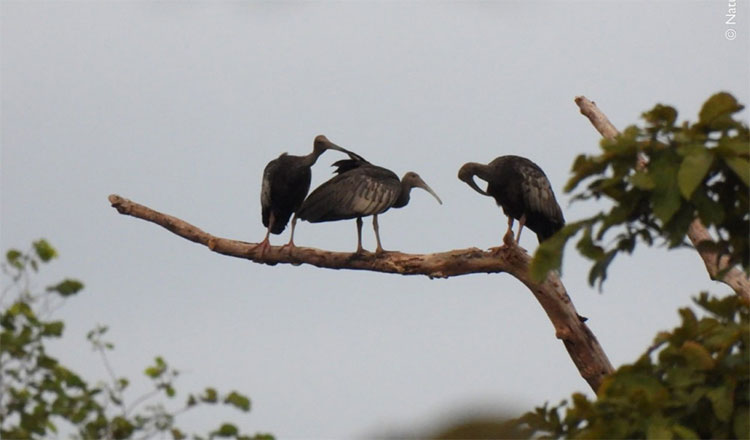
x=693, y=382
x=66, y=287
x=38, y=393
x=238, y=400
x=44, y=250
x=659, y=178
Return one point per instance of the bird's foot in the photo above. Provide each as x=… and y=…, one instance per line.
x=289, y=247
x=361, y=253
x=263, y=245
x=508, y=239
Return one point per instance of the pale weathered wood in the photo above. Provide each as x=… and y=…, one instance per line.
x=697, y=232
x=582, y=345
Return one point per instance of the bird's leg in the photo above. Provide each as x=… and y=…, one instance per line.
x=265, y=244
x=521, y=221
x=359, y=235
x=290, y=245
x=508, y=237
x=375, y=226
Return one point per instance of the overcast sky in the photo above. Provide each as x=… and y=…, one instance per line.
x=180, y=105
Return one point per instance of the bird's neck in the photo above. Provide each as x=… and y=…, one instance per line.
x=482, y=171
x=403, y=197
x=311, y=158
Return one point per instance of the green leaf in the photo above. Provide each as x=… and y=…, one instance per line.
x=177, y=434
x=741, y=168
x=692, y=171
x=226, y=430
x=721, y=402
x=21, y=308
x=46, y=362
x=676, y=228
x=121, y=428
x=719, y=105
x=14, y=258
x=661, y=115
x=642, y=181
x=587, y=248
x=548, y=255
x=710, y=211
x=44, y=250
x=210, y=396
x=238, y=400
x=665, y=197
x=157, y=370
x=684, y=377
x=54, y=328
x=697, y=355
x=733, y=146
x=66, y=288
x=583, y=167
x=658, y=429
x=598, y=271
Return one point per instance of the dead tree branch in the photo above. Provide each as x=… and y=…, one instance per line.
x=580, y=342
x=697, y=232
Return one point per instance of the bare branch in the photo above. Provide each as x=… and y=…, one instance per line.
x=599, y=120
x=581, y=344
x=697, y=232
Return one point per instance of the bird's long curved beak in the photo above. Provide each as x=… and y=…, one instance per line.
x=421, y=184
x=466, y=174
x=331, y=146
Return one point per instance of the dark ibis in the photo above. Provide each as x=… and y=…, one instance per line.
x=286, y=182
x=521, y=188
x=360, y=189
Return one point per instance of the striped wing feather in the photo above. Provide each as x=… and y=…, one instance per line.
x=357, y=193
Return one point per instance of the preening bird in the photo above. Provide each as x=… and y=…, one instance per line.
x=360, y=189
x=286, y=182
x=521, y=188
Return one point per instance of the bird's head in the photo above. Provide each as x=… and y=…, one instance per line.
x=412, y=180
x=467, y=173
x=322, y=144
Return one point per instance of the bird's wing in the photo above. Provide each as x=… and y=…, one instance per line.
x=538, y=194
x=265, y=188
x=345, y=165
x=349, y=195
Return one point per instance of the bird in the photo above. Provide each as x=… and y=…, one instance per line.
x=522, y=189
x=360, y=189
x=286, y=182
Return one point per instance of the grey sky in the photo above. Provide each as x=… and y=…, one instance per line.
x=179, y=106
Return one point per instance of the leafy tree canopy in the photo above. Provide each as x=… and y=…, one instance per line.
x=659, y=178
x=38, y=392
x=693, y=382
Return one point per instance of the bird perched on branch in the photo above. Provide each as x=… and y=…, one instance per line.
x=286, y=182
x=358, y=190
x=521, y=188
